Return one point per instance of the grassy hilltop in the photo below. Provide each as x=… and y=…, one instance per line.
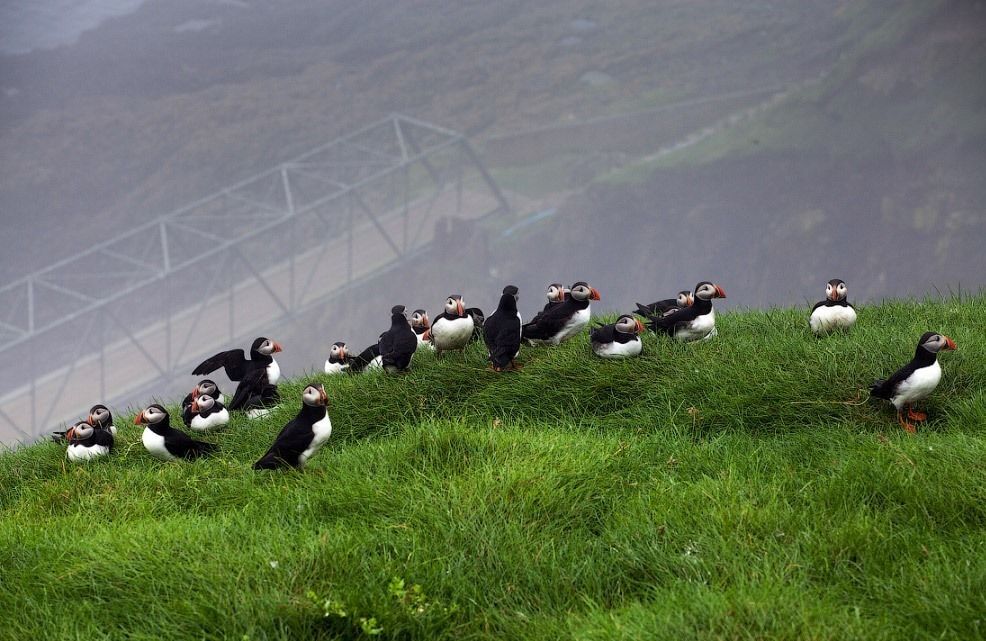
x=741, y=488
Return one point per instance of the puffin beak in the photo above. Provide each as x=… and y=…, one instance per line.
x=594, y=295
x=343, y=353
x=720, y=292
x=322, y=396
x=949, y=343
x=89, y=420
x=277, y=347
x=640, y=326
x=195, y=393
x=195, y=406
x=139, y=419
x=460, y=308
x=427, y=335
x=70, y=434
x=691, y=300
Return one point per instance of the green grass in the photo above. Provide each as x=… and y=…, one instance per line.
x=739, y=489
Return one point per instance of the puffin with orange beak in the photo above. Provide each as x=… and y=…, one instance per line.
x=834, y=312
x=915, y=381
x=693, y=323
x=618, y=340
x=421, y=323
x=303, y=435
x=453, y=328
x=165, y=442
x=257, y=377
x=338, y=361
x=87, y=441
x=559, y=323
x=205, y=386
x=205, y=413
x=666, y=305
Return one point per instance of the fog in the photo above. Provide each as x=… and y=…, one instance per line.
x=640, y=146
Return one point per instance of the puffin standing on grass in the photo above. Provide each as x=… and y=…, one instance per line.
x=205, y=413
x=834, y=312
x=420, y=323
x=87, y=442
x=915, y=381
x=666, y=305
x=205, y=386
x=257, y=389
x=618, y=340
x=303, y=435
x=165, y=442
x=453, y=328
x=502, y=332
x=693, y=323
x=338, y=361
x=561, y=322
x=398, y=344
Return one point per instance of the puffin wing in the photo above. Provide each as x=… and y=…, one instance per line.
x=234, y=361
x=887, y=388
x=251, y=384
x=360, y=362
x=548, y=323
x=182, y=445
x=604, y=334
x=292, y=439
x=502, y=334
x=670, y=321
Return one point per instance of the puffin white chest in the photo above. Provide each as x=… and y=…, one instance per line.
x=79, y=453
x=574, y=325
x=921, y=383
x=321, y=431
x=335, y=368
x=205, y=423
x=827, y=318
x=154, y=444
x=273, y=372
x=618, y=350
x=697, y=329
x=452, y=333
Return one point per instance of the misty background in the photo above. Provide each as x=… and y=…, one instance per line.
x=768, y=146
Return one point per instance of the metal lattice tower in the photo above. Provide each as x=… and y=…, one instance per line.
x=138, y=309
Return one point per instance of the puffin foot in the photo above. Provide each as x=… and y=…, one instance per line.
x=915, y=415
x=908, y=427
x=515, y=366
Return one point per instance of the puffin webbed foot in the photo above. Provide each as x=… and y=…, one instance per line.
x=908, y=427
x=915, y=415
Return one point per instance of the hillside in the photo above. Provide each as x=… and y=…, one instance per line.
x=742, y=488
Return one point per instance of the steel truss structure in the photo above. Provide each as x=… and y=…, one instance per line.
x=138, y=309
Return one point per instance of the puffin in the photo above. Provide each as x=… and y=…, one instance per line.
x=205, y=413
x=205, y=386
x=303, y=435
x=420, y=323
x=556, y=295
x=914, y=381
x=666, y=305
x=165, y=442
x=257, y=377
x=562, y=321
x=87, y=442
x=618, y=340
x=453, y=328
x=834, y=312
x=502, y=332
x=398, y=344
x=695, y=322
x=337, y=362
x=368, y=360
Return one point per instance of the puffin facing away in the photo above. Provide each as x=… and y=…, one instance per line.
x=453, y=328
x=165, y=442
x=303, y=435
x=693, y=323
x=420, y=323
x=397, y=344
x=618, y=340
x=834, y=312
x=205, y=413
x=87, y=442
x=916, y=380
x=337, y=362
x=561, y=322
x=666, y=305
x=254, y=375
x=502, y=332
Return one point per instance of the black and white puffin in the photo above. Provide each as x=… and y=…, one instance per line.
x=257, y=377
x=618, y=340
x=368, y=360
x=205, y=386
x=556, y=295
x=834, y=312
x=561, y=322
x=502, y=332
x=99, y=416
x=916, y=380
x=303, y=435
x=695, y=322
x=165, y=442
x=397, y=344
x=87, y=442
x=420, y=323
x=338, y=361
x=453, y=328
x=666, y=305
x=205, y=413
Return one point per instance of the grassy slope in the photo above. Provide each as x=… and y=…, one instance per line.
x=578, y=498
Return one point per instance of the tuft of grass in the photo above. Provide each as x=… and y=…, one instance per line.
x=740, y=488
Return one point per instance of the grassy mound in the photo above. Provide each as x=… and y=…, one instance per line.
x=741, y=488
